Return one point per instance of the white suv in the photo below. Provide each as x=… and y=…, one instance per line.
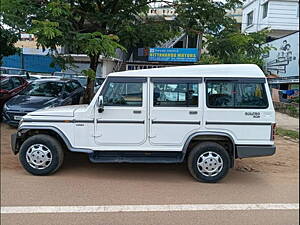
x=206, y=115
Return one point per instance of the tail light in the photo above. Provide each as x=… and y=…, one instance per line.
x=273, y=131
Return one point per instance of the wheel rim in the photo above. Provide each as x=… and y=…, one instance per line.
x=38, y=156
x=210, y=164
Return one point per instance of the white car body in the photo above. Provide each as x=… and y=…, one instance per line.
x=148, y=128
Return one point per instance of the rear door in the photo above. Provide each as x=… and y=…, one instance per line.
x=175, y=109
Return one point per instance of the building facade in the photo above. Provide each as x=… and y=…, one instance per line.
x=282, y=62
x=281, y=17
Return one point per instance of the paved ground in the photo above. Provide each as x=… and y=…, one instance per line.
x=272, y=179
x=287, y=122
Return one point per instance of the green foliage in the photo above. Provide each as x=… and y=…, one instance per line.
x=98, y=27
x=288, y=133
x=96, y=43
x=296, y=100
x=147, y=32
x=230, y=46
x=204, y=16
x=89, y=73
x=293, y=110
x=7, y=40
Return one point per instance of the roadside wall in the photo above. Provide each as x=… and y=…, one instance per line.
x=292, y=109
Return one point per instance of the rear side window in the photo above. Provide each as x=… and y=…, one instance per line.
x=251, y=95
x=233, y=94
x=175, y=94
x=220, y=94
x=123, y=94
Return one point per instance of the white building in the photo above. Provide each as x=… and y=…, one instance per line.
x=105, y=66
x=163, y=10
x=280, y=16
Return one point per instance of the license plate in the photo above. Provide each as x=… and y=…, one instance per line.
x=17, y=117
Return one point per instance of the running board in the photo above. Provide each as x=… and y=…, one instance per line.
x=135, y=157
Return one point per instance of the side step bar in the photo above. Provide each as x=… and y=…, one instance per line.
x=135, y=157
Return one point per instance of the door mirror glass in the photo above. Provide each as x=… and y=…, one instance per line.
x=100, y=104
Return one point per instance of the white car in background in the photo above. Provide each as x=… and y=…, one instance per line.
x=12, y=71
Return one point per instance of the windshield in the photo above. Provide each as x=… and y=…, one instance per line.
x=82, y=80
x=45, y=89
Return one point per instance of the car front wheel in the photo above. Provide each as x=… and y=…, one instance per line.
x=208, y=162
x=41, y=155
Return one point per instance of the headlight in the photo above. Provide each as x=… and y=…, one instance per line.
x=5, y=108
x=20, y=122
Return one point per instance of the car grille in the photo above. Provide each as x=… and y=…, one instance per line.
x=11, y=114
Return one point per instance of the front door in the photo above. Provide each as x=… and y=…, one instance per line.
x=123, y=121
x=175, y=110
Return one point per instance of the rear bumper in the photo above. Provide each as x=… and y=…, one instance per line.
x=247, y=151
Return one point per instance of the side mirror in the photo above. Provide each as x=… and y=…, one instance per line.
x=100, y=104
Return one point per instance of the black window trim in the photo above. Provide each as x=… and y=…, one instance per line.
x=176, y=81
x=234, y=88
x=127, y=79
x=236, y=79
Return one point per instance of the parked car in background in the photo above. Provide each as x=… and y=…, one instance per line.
x=32, y=77
x=12, y=71
x=63, y=74
x=82, y=79
x=10, y=85
x=42, y=93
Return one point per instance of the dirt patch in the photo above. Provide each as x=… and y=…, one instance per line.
x=8, y=159
x=286, y=159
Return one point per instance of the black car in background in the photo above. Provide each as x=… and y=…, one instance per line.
x=82, y=79
x=40, y=94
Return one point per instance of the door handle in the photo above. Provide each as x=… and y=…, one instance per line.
x=193, y=112
x=137, y=111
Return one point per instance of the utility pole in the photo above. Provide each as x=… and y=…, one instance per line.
x=22, y=58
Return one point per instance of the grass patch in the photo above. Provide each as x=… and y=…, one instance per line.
x=289, y=133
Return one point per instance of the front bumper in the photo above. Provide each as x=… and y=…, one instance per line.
x=247, y=151
x=9, y=117
x=13, y=143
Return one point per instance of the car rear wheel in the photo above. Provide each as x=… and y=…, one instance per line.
x=41, y=155
x=208, y=162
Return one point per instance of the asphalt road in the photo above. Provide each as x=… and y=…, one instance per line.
x=272, y=179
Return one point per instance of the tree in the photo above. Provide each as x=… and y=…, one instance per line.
x=99, y=27
x=86, y=26
x=198, y=17
x=7, y=40
x=230, y=46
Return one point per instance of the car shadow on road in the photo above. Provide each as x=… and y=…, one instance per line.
x=78, y=164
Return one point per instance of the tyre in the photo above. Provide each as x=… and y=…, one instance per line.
x=41, y=155
x=208, y=162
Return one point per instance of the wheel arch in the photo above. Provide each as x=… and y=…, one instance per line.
x=225, y=139
x=28, y=131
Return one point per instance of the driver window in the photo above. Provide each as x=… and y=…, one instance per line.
x=123, y=94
